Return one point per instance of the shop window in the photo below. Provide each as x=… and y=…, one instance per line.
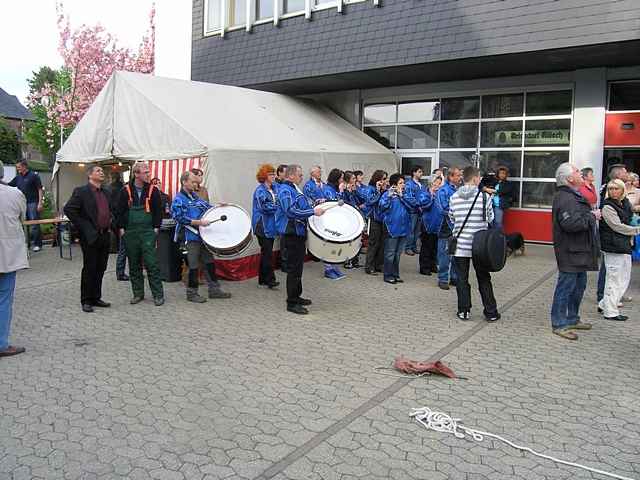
x=214, y=19
x=459, y=135
x=501, y=134
x=291, y=6
x=428, y=111
x=547, y=133
x=456, y=159
x=624, y=96
x=543, y=164
x=380, y=113
x=264, y=9
x=383, y=135
x=237, y=12
x=498, y=106
x=418, y=136
x=490, y=161
x=460, y=108
x=549, y=103
x=538, y=194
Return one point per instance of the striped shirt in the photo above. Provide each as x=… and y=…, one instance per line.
x=459, y=205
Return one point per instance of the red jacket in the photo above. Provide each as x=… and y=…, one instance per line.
x=590, y=194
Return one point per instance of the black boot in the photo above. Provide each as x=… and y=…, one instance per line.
x=192, y=287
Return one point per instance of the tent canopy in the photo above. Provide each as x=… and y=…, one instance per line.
x=142, y=117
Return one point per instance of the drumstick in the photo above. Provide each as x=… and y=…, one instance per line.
x=222, y=218
x=339, y=204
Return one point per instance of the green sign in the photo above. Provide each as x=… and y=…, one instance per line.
x=532, y=137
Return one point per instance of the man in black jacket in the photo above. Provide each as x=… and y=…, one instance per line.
x=89, y=209
x=577, y=249
x=139, y=215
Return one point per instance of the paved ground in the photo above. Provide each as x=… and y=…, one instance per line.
x=237, y=389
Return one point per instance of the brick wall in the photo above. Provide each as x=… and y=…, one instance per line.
x=404, y=32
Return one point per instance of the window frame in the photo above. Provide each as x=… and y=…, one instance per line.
x=609, y=85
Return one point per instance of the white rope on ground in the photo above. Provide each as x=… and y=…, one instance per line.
x=441, y=422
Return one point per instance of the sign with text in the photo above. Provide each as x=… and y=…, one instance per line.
x=532, y=137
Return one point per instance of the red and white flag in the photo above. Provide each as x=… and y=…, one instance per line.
x=169, y=171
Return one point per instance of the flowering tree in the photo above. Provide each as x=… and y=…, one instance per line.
x=90, y=55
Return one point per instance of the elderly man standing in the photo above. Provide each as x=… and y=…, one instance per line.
x=187, y=210
x=139, y=215
x=577, y=249
x=13, y=257
x=291, y=224
x=89, y=209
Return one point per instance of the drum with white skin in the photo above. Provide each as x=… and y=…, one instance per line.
x=335, y=236
x=229, y=234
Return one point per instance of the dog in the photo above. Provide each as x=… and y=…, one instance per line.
x=515, y=243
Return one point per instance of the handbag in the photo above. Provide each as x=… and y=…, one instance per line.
x=453, y=241
x=489, y=248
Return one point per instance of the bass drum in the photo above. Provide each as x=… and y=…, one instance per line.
x=230, y=232
x=336, y=236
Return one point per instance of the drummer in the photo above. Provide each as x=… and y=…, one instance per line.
x=187, y=209
x=291, y=224
x=263, y=222
x=333, y=191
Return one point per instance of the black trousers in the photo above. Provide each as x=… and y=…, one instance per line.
x=428, y=252
x=375, y=249
x=464, y=289
x=296, y=250
x=94, y=262
x=266, y=275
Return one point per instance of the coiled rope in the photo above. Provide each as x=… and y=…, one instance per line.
x=441, y=422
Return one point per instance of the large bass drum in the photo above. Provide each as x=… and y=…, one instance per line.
x=230, y=232
x=336, y=236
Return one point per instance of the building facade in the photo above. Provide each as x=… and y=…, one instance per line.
x=442, y=83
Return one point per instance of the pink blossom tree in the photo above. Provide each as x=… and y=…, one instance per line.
x=90, y=55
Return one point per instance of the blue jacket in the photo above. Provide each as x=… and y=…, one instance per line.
x=396, y=216
x=330, y=194
x=185, y=208
x=372, y=204
x=293, y=210
x=442, y=205
x=429, y=212
x=412, y=190
x=263, y=213
x=312, y=191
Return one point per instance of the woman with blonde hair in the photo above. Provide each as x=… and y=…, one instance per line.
x=263, y=221
x=633, y=192
x=616, y=243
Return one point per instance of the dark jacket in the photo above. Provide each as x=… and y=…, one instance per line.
x=614, y=242
x=507, y=194
x=575, y=234
x=122, y=205
x=83, y=213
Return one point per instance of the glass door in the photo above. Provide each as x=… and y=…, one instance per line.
x=425, y=159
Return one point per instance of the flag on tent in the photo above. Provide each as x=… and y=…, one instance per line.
x=169, y=171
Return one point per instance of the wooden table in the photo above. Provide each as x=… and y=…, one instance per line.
x=58, y=222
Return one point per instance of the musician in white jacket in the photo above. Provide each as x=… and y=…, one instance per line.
x=13, y=257
x=471, y=204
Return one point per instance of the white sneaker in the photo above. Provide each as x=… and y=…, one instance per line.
x=37, y=249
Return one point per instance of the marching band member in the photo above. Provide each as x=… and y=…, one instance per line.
x=430, y=220
x=281, y=174
x=200, y=189
x=314, y=186
x=375, y=250
x=263, y=222
x=138, y=216
x=187, y=210
x=413, y=187
x=396, y=208
x=291, y=223
x=353, y=198
x=446, y=268
x=332, y=191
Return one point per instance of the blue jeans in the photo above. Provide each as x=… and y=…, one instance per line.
x=393, y=248
x=35, y=236
x=498, y=217
x=567, y=298
x=602, y=276
x=411, y=243
x=121, y=259
x=446, y=269
x=7, y=288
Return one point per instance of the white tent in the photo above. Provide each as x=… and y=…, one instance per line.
x=142, y=117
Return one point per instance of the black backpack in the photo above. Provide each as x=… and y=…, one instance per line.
x=489, y=248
